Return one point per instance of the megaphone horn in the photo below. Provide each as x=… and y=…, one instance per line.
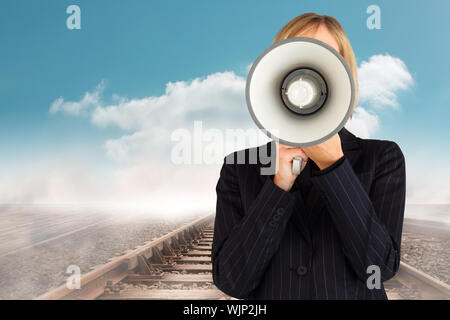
x=302, y=89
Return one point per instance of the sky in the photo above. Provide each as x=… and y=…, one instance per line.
x=89, y=115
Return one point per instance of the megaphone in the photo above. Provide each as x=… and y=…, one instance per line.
x=300, y=91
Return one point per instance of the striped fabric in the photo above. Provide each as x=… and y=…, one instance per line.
x=316, y=241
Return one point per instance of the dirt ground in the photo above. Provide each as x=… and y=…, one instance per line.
x=27, y=270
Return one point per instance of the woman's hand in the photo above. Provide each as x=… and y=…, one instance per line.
x=284, y=178
x=325, y=153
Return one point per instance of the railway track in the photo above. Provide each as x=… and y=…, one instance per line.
x=177, y=266
x=412, y=284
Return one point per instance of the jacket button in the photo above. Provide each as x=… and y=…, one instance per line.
x=302, y=270
x=272, y=223
x=276, y=217
x=280, y=211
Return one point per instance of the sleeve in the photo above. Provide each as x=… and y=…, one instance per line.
x=318, y=172
x=245, y=241
x=369, y=225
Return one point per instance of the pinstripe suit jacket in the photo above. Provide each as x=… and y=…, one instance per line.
x=317, y=240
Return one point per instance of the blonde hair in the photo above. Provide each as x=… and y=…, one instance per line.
x=311, y=21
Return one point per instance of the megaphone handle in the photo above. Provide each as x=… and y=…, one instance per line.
x=297, y=165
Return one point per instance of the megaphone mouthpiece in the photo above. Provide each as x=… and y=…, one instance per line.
x=304, y=91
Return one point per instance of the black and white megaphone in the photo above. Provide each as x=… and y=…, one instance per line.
x=300, y=91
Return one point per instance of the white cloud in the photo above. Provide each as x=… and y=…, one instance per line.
x=217, y=99
x=89, y=100
x=144, y=172
x=380, y=79
x=364, y=123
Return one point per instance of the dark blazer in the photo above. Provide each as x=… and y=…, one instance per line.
x=317, y=240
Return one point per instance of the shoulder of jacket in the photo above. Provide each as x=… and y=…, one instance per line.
x=380, y=146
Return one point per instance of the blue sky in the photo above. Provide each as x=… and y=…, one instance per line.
x=137, y=47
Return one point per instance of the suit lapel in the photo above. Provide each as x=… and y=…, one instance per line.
x=350, y=146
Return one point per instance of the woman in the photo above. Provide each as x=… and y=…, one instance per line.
x=333, y=232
